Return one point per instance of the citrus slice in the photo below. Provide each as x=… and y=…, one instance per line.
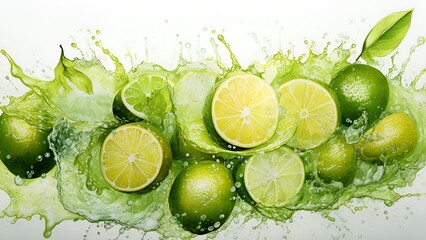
x=274, y=178
x=134, y=156
x=316, y=108
x=245, y=111
x=147, y=97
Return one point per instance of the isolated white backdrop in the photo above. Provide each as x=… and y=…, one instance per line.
x=158, y=31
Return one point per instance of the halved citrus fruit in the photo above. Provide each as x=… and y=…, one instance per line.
x=135, y=156
x=244, y=110
x=315, y=106
x=273, y=179
x=147, y=97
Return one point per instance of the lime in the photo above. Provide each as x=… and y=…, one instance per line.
x=135, y=156
x=147, y=97
x=121, y=113
x=24, y=149
x=361, y=88
x=244, y=110
x=273, y=179
x=336, y=160
x=394, y=137
x=239, y=183
x=202, y=196
x=316, y=108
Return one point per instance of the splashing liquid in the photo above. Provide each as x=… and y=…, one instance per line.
x=78, y=134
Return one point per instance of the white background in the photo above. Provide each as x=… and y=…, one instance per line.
x=158, y=31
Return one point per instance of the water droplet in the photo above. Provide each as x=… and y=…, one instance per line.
x=203, y=217
x=19, y=181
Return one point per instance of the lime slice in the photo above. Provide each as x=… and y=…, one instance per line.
x=317, y=110
x=147, y=97
x=134, y=156
x=274, y=178
x=245, y=111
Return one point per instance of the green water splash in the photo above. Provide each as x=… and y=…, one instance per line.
x=78, y=186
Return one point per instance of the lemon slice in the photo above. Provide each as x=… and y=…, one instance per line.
x=273, y=179
x=134, y=156
x=316, y=108
x=245, y=111
x=147, y=97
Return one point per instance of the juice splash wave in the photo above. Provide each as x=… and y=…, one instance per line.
x=82, y=117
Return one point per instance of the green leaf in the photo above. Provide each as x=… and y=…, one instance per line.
x=66, y=69
x=386, y=35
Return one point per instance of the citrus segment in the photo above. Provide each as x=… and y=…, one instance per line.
x=245, y=111
x=147, y=97
x=316, y=109
x=273, y=179
x=134, y=156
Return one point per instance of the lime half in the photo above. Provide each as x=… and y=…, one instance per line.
x=148, y=97
x=244, y=111
x=134, y=156
x=274, y=178
x=315, y=106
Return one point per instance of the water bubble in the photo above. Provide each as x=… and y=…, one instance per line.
x=233, y=189
x=39, y=158
x=19, y=181
x=187, y=155
x=210, y=228
x=47, y=155
x=8, y=156
x=173, y=219
x=420, y=40
x=238, y=184
x=130, y=203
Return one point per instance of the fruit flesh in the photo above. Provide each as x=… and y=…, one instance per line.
x=245, y=111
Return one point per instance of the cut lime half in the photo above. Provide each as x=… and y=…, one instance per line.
x=147, y=97
x=134, y=156
x=245, y=111
x=273, y=179
x=316, y=108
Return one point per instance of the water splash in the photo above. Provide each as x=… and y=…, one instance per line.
x=76, y=140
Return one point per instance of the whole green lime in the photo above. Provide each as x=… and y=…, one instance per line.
x=336, y=160
x=360, y=88
x=202, y=197
x=24, y=149
x=394, y=137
